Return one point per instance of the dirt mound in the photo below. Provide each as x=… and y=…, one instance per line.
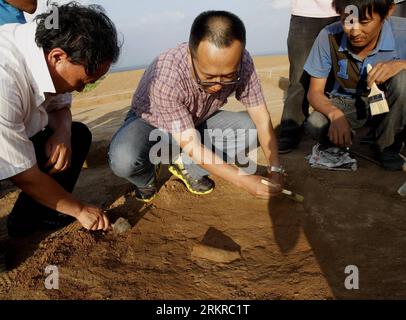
x=288, y=250
x=226, y=245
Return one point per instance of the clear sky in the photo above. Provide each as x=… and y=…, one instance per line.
x=149, y=27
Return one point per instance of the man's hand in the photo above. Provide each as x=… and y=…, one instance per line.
x=46, y=191
x=208, y=160
x=58, y=149
x=255, y=187
x=277, y=178
x=384, y=71
x=340, y=130
x=93, y=218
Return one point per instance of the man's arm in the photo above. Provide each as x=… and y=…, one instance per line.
x=45, y=190
x=190, y=143
x=60, y=120
x=267, y=138
x=340, y=130
x=58, y=147
x=29, y=6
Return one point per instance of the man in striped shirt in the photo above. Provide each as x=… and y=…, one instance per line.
x=180, y=94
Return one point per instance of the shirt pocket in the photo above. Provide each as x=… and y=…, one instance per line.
x=343, y=69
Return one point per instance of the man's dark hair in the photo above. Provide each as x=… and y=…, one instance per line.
x=85, y=33
x=218, y=27
x=365, y=7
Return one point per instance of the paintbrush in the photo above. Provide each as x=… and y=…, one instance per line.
x=289, y=194
x=376, y=99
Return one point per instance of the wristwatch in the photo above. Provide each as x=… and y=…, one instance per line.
x=279, y=170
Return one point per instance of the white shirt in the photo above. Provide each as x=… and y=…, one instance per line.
x=313, y=8
x=25, y=100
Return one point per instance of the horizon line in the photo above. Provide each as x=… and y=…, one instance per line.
x=144, y=66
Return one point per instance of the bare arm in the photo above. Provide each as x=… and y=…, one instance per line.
x=318, y=99
x=46, y=191
x=60, y=120
x=267, y=138
x=190, y=143
x=340, y=130
x=29, y=6
x=384, y=71
x=58, y=147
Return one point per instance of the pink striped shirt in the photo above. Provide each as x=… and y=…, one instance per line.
x=169, y=98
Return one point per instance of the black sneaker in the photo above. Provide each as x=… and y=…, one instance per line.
x=20, y=224
x=148, y=193
x=390, y=157
x=391, y=160
x=200, y=186
x=288, y=144
x=289, y=137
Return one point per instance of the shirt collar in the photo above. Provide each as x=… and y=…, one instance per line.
x=386, y=40
x=35, y=59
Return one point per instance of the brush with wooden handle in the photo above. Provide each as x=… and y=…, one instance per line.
x=291, y=195
x=376, y=99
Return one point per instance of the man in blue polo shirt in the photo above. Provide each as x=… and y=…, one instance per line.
x=12, y=11
x=366, y=35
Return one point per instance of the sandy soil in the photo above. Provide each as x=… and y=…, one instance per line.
x=285, y=250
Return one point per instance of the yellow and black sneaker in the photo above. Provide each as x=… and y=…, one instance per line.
x=200, y=186
x=148, y=193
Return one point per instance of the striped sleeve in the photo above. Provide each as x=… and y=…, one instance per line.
x=59, y=102
x=249, y=92
x=17, y=152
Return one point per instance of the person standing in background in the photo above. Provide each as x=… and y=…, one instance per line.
x=12, y=11
x=307, y=20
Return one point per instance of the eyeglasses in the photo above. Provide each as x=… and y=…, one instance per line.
x=213, y=83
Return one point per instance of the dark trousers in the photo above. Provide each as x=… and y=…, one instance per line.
x=303, y=31
x=400, y=10
x=29, y=214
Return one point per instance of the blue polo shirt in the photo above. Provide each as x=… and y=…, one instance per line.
x=10, y=14
x=330, y=53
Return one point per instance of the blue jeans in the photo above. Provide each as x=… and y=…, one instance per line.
x=387, y=126
x=129, y=152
